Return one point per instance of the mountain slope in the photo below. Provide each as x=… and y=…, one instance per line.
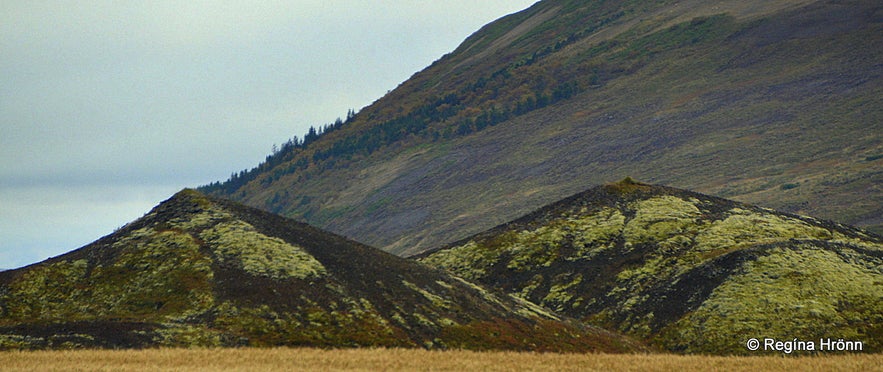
x=688, y=272
x=198, y=271
x=771, y=102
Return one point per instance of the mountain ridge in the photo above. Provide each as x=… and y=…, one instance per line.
x=772, y=103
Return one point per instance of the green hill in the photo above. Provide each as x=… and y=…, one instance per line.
x=776, y=103
x=199, y=271
x=685, y=271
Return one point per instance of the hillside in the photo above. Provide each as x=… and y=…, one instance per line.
x=685, y=271
x=776, y=103
x=198, y=271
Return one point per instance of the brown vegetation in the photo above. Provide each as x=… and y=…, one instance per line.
x=300, y=359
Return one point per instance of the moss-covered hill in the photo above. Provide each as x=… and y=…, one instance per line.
x=198, y=271
x=688, y=272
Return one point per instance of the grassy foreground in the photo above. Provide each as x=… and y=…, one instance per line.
x=294, y=359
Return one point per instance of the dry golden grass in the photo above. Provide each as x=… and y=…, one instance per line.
x=304, y=359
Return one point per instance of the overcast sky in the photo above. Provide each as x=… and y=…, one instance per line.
x=107, y=108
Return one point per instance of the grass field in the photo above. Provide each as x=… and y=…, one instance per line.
x=288, y=359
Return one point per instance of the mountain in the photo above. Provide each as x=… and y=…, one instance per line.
x=776, y=103
x=684, y=271
x=200, y=271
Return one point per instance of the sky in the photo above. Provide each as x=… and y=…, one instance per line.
x=107, y=108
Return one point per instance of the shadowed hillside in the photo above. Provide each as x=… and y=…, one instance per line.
x=776, y=103
x=685, y=271
x=198, y=271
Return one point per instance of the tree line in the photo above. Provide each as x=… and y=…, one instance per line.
x=278, y=155
x=425, y=121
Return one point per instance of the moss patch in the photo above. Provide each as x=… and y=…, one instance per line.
x=259, y=254
x=806, y=293
x=743, y=228
x=468, y=261
x=156, y=275
x=660, y=218
x=596, y=232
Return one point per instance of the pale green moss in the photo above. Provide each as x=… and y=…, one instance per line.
x=348, y=321
x=595, y=232
x=424, y=321
x=444, y=284
x=318, y=317
x=531, y=285
x=336, y=288
x=531, y=249
x=629, y=303
x=187, y=335
x=531, y=310
x=447, y=322
x=43, y=292
x=469, y=261
x=537, y=248
x=57, y=342
x=18, y=342
x=399, y=319
x=655, y=267
x=862, y=240
x=658, y=219
x=205, y=218
x=436, y=300
x=744, y=228
x=577, y=303
x=364, y=309
x=560, y=294
x=487, y=296
x=640, y=325
x=806, y=294
x=670, y=259
x=259, y=254
x=157, y=275
x=361, y=307
x=252, y=322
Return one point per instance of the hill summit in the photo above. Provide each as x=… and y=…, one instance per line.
x=685, y=271
x=200, y=271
